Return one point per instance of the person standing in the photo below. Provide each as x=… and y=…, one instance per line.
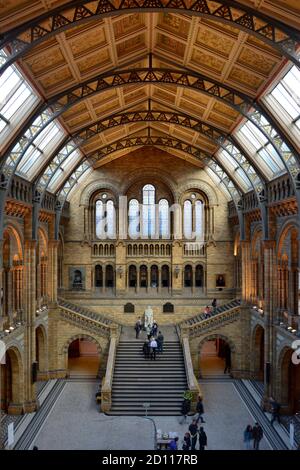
x=227, y=356
x=193, y=428
x=160, y=342
x=248, y=436
x=185, y=409
x=275, y=412
x=186, y=444
x=257, y=436
x=154, y=329
x=200, y=410
x=146, y=349
x=137, y=328
x=153, y=348
x=148, y=332
x=214, y=305
x=202, y=439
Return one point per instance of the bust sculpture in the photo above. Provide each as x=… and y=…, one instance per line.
x=148, y=320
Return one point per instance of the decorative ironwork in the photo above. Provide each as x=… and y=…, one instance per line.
x=19, y=41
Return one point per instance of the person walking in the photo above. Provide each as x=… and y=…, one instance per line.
x=275, y=412
x=138, y=327
x=214, y=305
x=248, y=436
x=186, y=443
x=257, y=436
x=193, y=428
x=153, y=348
x=185, y=409
x=227, y=356
x=160, y=342
x=154, y=329
x=200, y=410
x=148, y=331
x=202, y=439
x=146, y=349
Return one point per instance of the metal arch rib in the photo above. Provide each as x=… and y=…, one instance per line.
x=21, y=39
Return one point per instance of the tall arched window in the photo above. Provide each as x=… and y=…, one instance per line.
x=110, y=227
x=199, y=219
x=134, y=218
x=164, y=224
x=148, y=211
x=99, y=219
x=187, y=219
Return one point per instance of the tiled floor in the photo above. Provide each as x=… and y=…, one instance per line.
x=75, y=422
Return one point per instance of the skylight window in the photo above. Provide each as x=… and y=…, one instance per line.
x=287, y=95
x=16, y=100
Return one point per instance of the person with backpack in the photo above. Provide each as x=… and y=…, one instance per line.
x=257, y=436
x=200, y=410
x=202, y=439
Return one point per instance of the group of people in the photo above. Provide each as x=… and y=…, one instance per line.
x=254, y=434
x=190, y=439
x=154, y=344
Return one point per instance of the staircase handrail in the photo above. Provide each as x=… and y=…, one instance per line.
x=212, y=314
x=86, y=312
x=106, y=389
x=212, y=322
x=193, y=385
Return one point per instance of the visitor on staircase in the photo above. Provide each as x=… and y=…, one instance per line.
x=214, y=305
x=160, y=342
x=186, y=443
x=138, y=327
x=153, y=348
x=146, y=349
x=257, y=436
x=154, y=329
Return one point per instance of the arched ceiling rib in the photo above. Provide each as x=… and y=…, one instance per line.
x=209, y=64
x=282, y=37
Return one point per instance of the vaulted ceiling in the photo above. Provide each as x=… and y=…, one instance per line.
x=171, y=40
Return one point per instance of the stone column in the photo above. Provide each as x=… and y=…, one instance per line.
x=148, y=278
x=138, y=279
x=246, y=271
x=30, y=401
x=9, y=295
x=159, y=279
x=104, y=279
x=193, y=279
x=52, y=270
x=269, y=312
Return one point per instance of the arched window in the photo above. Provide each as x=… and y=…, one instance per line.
x=199, y=219
x=164, y=225
x=134, y=219
x=99, y=219
x=187, y=219
x=148, y=211
x=110, y=227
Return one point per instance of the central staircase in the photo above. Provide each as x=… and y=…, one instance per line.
x=136, y=380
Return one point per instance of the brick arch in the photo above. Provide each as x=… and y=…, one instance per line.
x=17, y=376
x=81, y=336
x=149, y=172
x=202, y=186
x=290, y=225
x=217, y=336
x=95, y=186
x=282, y=368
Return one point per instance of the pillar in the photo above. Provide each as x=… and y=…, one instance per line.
x=52, y=270
x=30, y=402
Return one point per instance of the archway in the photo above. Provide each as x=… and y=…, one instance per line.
x=143, y=276
x=199, y=279
x=109, y=277
x=165, y=276
x=188, y=276
x=83, y=356
x=215, y=356
x=154, y=277
x=12, y=382
x=258, y=345
x=132, y=277
x=289, y=383
x=98, y=276
x=41, y=351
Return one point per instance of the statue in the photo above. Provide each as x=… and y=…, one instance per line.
x=148, y=320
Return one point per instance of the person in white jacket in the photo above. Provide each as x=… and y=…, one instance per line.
x=153, y=348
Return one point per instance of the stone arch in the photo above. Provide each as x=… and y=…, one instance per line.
x=80, y=336
x=282, y=376
x=288, y=226
x=41, y=350
x=12, y=381
x=95, y=186
x=257, y=352
x=202, y=186
x=227, y=340
x=149, y=173
x=16, y=239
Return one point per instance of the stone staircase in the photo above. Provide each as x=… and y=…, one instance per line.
x=136, y=380
x=219, y=310
x=84, y=312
